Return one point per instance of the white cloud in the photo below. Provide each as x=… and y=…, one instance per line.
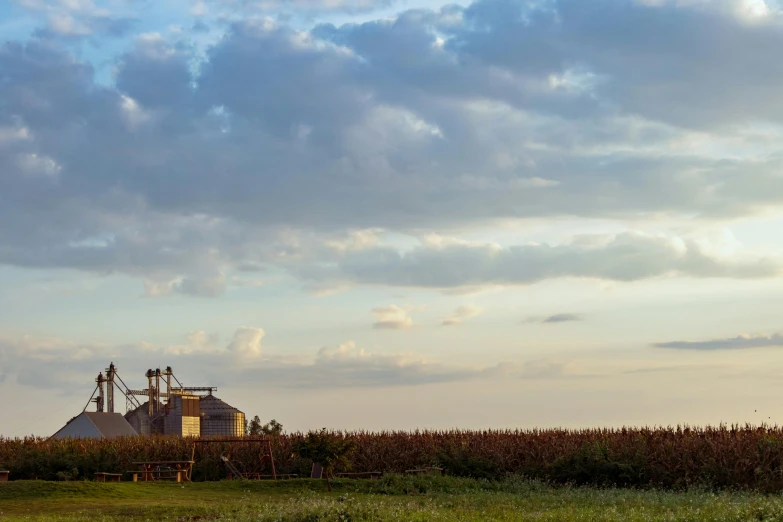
x=461, y=314
x=391, y=317
x=356, y=240
x=246, y=343
x=203, y=285
x=35, y=165
x=10, y=134
x=197, y=342
x=135, y=115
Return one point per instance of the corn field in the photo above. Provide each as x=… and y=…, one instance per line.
x=713, y=457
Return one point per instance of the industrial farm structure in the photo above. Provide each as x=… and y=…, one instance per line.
x=168, y=408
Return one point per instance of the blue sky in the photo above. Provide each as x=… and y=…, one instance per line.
x=390, y=215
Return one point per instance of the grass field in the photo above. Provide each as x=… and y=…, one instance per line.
x=391, y=498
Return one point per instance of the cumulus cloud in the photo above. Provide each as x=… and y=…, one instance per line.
x=735, y=343
x=391, y=317
x=461, y=314
x=246, y=343
x=433, y=120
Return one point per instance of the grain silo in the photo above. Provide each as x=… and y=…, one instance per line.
x=182, y=416
x=220, y=419
x=139, y=419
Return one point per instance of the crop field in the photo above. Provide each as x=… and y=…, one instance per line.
x=391, y=498
x=714, y=458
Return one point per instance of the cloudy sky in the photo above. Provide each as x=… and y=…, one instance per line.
x=390, y=214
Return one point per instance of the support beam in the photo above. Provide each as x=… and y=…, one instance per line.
x=100, y=399
x=110, y=372
x=150, y=394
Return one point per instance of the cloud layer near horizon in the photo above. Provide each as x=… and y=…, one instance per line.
x=734, y=343
x=435, y=120
x=29, y=359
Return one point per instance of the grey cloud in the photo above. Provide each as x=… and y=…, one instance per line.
x=735, y=343
x=698, y=74
x=77, y=20
x=200, y=27
x=166, y=63
x=303, y=6
x=673, y=368
x=626, y=257
x=434, y=120
x=562, y=318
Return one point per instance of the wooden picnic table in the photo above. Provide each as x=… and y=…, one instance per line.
x=180, y=469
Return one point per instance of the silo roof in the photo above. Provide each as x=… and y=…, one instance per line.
x=144, y=408
x=212, y=403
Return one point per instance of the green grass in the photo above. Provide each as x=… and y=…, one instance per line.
x=391, y=498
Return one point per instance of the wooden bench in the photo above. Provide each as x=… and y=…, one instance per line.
x=4, y=476
x=101, y=476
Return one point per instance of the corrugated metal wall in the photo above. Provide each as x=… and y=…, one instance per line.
x=183, y=416
x=220, y=419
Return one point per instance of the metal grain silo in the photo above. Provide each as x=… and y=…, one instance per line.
x=182, y=416
x=220, y=419
x=139, y=419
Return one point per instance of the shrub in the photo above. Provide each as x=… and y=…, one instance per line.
x=327, y=449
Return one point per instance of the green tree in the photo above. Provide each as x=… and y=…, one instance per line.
x=272, y=428
x=326, y=449
x=254, y=428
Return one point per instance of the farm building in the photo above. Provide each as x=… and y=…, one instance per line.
x=96, y=425
x=170, y=409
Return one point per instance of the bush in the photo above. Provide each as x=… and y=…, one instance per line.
x=595, y=465
x=460, y=461
x=326, y=449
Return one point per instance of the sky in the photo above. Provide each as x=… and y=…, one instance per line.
x=381, y=215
